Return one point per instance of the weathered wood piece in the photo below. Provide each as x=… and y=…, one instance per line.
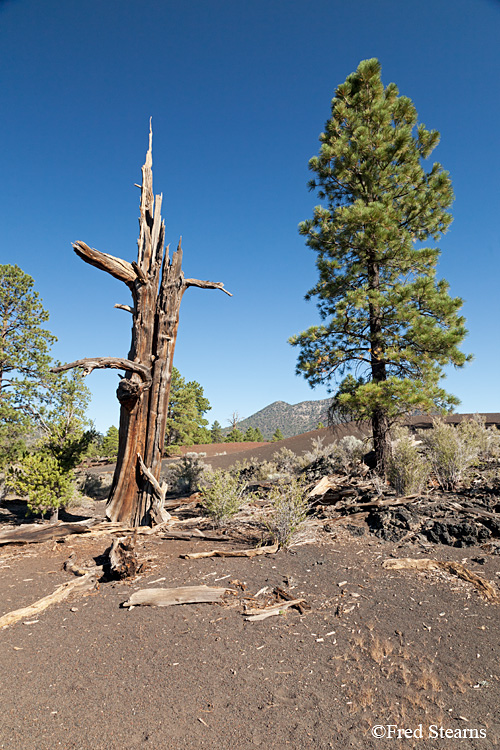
x=253, y=615
x=114, y=363
x=254, y=552
x=158, y=512
x=195, y=534
x=453, y=568
x=157, y=284
x=83, y=583
x=34, y=533
x=123, y=558
x=179, y=595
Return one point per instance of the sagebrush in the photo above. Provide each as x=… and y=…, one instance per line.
x=186, y=474
x=289, y=510
x=222, y=497
x=408, y=471
x=453, y=450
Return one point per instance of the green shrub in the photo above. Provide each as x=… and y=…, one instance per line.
x=486, y=440
x=318, y=450
x=186, y=474
x=41, y=479
x=290, y=508
x=453, y=450
x=286, y=461
x=348, y=452
x=253, y=469
x=96, y=486
x=222, y=497
x=342, y=456
x=408, y=471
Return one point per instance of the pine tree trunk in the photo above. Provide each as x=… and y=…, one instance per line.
x=380, y=422
x=157, y=285
x=381, y=441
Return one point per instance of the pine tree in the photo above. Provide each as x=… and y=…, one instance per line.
x=278, y=435
x=249, y=435
x=45, y=473
x=110, y=442
x=235, y=436
x=24, y=356
x=216, y=432
x=187, y=405
x=386, y=317
x=253, y=435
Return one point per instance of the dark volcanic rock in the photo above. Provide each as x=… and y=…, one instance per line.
x=392, y=524
x=461, y=534
x=354, y=530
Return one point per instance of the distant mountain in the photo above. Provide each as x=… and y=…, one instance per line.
x=292, y=420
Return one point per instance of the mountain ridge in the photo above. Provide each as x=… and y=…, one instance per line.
x=291, y=419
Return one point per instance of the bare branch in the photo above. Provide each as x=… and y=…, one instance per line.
x=114, y=363
x=120, y=269
x=206, y=285
x=127, y=308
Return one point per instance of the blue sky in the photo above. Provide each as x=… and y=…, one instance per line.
x=239, y=91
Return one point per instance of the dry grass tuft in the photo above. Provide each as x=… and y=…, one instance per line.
x=428, y=680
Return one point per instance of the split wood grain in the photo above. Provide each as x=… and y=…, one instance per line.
x=254, y=552
x=179, y=595
x=254, y=615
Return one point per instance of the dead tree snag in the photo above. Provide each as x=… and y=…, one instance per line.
x=157, y=284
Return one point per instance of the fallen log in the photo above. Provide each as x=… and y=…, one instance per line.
x=35, y=533
x=179, y=595
x=83, y=583
x=484, y=588
x=254, y=552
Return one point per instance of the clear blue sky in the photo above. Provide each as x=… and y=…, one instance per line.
x=239, y=92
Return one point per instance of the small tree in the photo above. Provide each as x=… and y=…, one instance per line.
x=216, y=433
x=110, y=442
x=44, y=482
x=235, y=436
x=385, y=315
x=278, y=435
x=45, y=475
x=186, y=424
x=24, y=357
x=60, y=417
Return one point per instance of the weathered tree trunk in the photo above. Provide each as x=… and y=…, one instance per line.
x=157, y=284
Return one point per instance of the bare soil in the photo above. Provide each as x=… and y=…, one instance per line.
x=378, y=651
x=377, y=648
